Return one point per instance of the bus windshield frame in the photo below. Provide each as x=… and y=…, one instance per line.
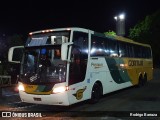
x=43, y=65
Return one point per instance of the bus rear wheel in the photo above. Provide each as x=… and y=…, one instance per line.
x=96, y=93
x=141, y=81
x=145, y=79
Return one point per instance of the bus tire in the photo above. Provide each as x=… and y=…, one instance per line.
x=145, y=79
x=96, y=93
x=140, y=81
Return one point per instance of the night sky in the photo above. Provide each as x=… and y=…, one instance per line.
x=23, y=17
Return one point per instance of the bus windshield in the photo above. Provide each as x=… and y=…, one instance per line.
x=43, y=65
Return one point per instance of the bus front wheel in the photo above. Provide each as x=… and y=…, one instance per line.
x=96, y=93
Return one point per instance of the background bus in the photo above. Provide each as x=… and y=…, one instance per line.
x=67, y=65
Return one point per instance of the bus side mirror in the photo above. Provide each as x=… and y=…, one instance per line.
x=15, y=54
x=64, y=49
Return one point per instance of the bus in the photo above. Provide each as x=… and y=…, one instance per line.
x=64, y=66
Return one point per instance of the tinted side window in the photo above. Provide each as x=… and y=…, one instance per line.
x=146, y=52
x=101, y=46
x=113, y=49
x=79, y=57
x=81, y=41
x=149, y=55
x=123, y=49
x=137, y=51
x=97, y=46
x=130, y=49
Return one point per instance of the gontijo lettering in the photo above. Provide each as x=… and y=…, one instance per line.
x=135, y=63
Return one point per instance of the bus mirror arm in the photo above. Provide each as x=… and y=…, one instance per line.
x=64, y=49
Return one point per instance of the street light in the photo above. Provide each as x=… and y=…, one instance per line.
x=120, y=24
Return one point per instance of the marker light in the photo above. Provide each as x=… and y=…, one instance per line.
x=68, y=29
x=47, y=31
x=21, y=87
x=60, y=89
x=30, y=33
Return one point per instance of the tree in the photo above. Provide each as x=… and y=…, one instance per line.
x=110, y=33
x=141, y=30
x=148, y=31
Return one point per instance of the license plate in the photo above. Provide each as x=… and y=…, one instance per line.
x=37, y=99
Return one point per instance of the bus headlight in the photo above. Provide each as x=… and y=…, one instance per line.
x=60, y=89
x=21, y=87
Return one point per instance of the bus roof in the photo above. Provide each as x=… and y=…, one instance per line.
x=59, y=29
x=119, y=38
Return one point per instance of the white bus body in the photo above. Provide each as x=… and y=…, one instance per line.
x=82, y=67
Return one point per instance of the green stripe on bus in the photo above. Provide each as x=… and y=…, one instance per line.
x=118, y=75
x=123, y=72
x=44, y=88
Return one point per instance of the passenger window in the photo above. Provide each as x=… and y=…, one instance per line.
x=113, y=48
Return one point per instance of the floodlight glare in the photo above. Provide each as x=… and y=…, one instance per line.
x=120, y=24
x=115, y=17
x=121, y=16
